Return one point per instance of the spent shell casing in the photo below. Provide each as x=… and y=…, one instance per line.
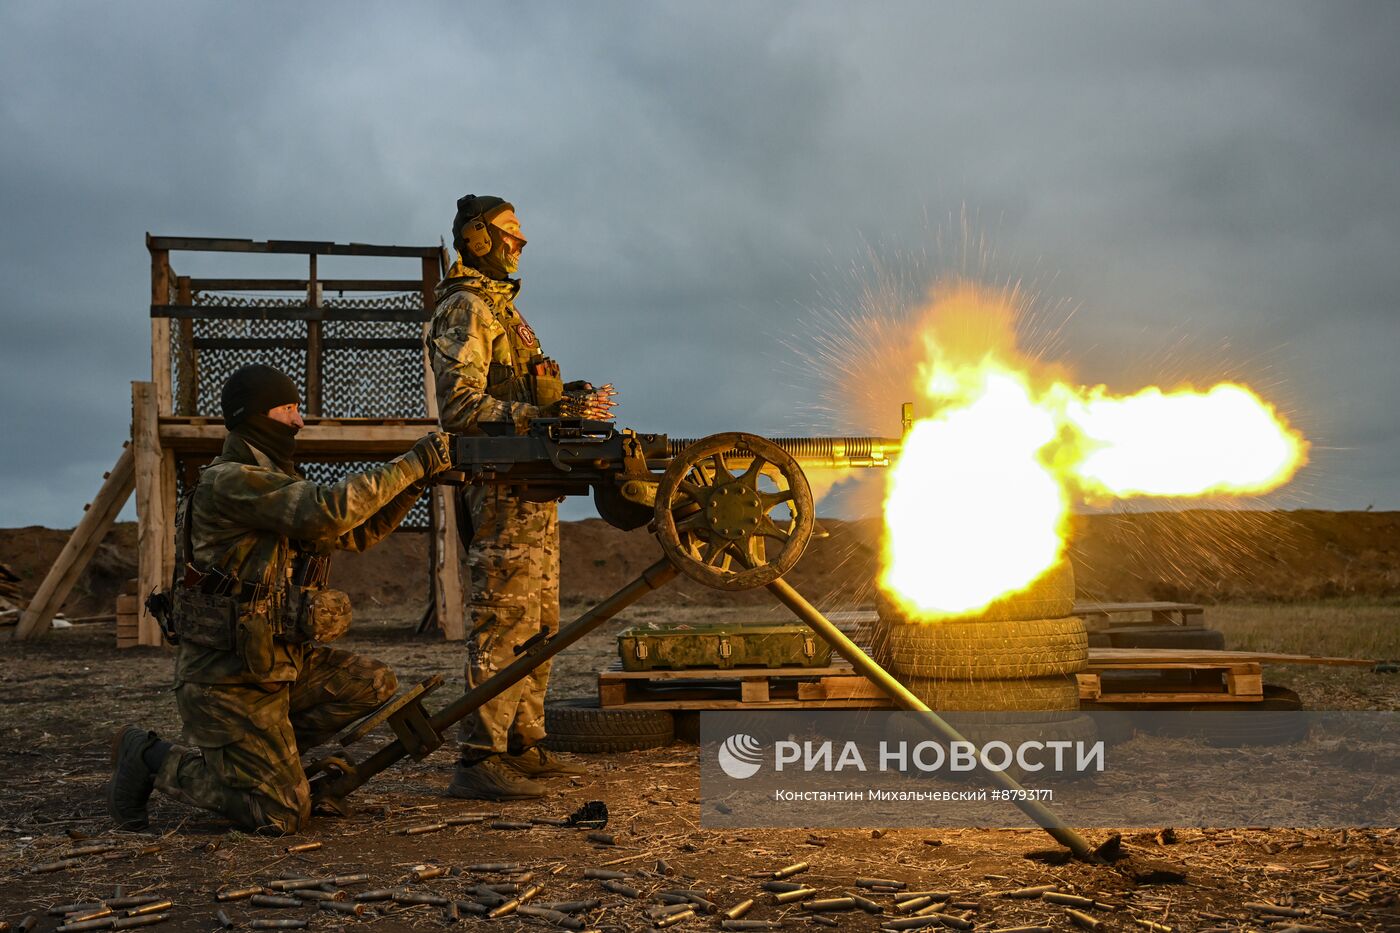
x=273, y=900
x=573, y=907
x=548, y=821
x=604, y=874
x=550, y=916
x=499, y=887
x=316, y=894
x=828, y=905
x=792, y=897
x=99, y=848
x=687, y=893
x=280, y=923
x=913, y=904
x=910, y=923
x=750, y=924
x=378, y=894
x=673, y=919
x=303, y=847
x=63, y=910
x=949, y=920
x=450, y=913
x=672, y=899
x=141, y=920
x=344, y=907
x=154, y=907
x=617, y=887
x=704, y=906
x=489, y=898
x=865, y=903
x=91, y=915
x=532, y=892
x=739, y=909
x=881, y=883
x=663, y=868
x=29, y=922
x=102, y=923
x=472, y=907
x=1025, y=930
x=136, y=900
x=933, y=895
x=508, y=824
x=602, y=839
x=1152, y=925
x=237, y=894
x=344, y=881
x=1082, y=920
x=822, y=920
x=501, y=868
x=1067, y=900
x=418, y=897
x=428, y=872
x=60, y=865
x=422, y=829
x=504, y=910
x=790, y=870
x=1028, y=894
x=297, y=884
x=778, y=887
x=224, y=919
x=666, y=911
x=932, y=910
x=467, y=819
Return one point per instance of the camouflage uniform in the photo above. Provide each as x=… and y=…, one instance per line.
x=249, y=710
x=489, y=368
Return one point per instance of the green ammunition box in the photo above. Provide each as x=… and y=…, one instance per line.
x=677, y=646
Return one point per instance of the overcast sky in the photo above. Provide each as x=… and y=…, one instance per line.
x=1215, y=187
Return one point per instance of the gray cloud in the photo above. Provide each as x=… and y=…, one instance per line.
x=1213, y=187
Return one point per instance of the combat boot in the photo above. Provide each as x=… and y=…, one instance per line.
x=492, y=780
x=132, y=782
x=536, y=762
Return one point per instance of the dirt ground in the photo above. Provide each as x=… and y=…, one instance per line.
x=63, y=696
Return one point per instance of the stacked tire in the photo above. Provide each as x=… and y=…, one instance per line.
x=1016, y=661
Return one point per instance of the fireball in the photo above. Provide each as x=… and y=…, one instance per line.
x=977, y=505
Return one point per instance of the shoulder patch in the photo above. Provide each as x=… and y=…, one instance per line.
x=526, y=334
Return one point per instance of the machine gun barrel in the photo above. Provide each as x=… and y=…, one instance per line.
x=820, y=452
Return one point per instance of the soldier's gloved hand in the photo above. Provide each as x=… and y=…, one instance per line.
x=582, y=400
x=434, y=451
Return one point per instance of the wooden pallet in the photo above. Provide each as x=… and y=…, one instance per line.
x=1214, y=676
x=1100, y=616
x=836, y=687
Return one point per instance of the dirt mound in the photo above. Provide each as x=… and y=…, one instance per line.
x=1199, y=555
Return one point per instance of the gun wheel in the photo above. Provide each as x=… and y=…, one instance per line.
x=717, y=525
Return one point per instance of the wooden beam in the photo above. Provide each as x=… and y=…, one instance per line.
x=448, y=602
x=305, y=247
x=299, y=285
x=154, y=525
x=160, y=327
x=314, y=354
x=97, y=520
x=293, y=343
x=256, y=312
x=187, y=357
x=389, y=440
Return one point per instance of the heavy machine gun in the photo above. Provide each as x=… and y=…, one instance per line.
x=733, y=511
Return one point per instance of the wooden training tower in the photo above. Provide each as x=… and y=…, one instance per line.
x=354, y=345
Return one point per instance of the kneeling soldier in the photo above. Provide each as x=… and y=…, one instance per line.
x=254, y=681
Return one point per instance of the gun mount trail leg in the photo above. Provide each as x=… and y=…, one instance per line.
x=1043, y=816
x=333, y=787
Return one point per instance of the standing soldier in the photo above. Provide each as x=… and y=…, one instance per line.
x=254, y=681
x=490, y=369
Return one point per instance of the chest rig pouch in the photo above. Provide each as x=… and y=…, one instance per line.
x=313, y=611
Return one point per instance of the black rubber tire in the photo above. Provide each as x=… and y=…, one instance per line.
x=1166, y=636
x=1269, y=721
x=1049, y=597
x=582, y=726
x=1040, y=695
x=961, y=650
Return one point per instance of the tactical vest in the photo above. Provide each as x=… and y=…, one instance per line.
x=519, y=371
x=285, y=600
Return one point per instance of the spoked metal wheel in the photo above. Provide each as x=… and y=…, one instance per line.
x=717, y=525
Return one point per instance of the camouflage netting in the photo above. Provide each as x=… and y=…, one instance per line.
x=356, y=382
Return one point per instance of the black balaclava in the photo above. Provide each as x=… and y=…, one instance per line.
x=497, y=263
x=248, y=395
